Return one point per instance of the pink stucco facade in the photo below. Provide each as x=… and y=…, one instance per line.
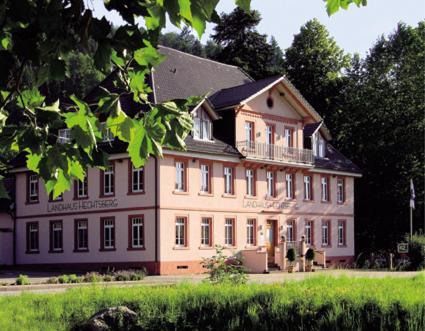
x=160, y=205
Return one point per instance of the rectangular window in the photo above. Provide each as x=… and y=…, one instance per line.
x=326, y=233
x=228, y=180
x=307, y=188
x=202, y=125
x=250, y=182
x=309, y=239
x=289, y=179
x=82, y=188
x=137, y=231
x=249, y=134
x=340, y=192
x=229, y=232
x=205, y=178
x=64, y=136
x=181, y=239
x=108, y=180
x=271, y=189
x=180, y=176
x=206, y=232
x=56, y=236
x=108, y=233
x=269, y=134
x=250, y=231
x=137, y=179
x=341, y=233
x=288, y=139
x=290, y=230
x=32, y=188
x=107, y=135
x=321, y=147
x=325, y=189
x=81, y=235
x=32, y=237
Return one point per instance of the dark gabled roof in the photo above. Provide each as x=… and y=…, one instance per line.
x=182, y=75
x=232, y=96
x=215, y=146
x=311, y=128
x=335, y=160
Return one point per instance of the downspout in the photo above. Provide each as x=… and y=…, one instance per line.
x=156, y=215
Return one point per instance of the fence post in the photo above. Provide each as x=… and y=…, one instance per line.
x=283, y=251
x=302, y=253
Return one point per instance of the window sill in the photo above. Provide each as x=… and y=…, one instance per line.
x=54, y=252
x=81, y=198
x=204, y=140
x=227, y=195
x=269, y=198
x=81, y=251
x=342, y=203
x=107, y=195
x=136, y=248
x=308, y=201
x=180, y=192
x=206, y=248
x=181, y=248
x=229, y=246
x=251, y=247
x=107, y=249
x=32, y=202
x=205, y=194
x=251, y=197
x=326, y=246
x=326, y=202
x=136, y=193
x=342, y=246
x=32, y=252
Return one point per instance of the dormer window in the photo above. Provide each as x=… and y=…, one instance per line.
x=319, y=145
x=64, y=136
x=203, y=127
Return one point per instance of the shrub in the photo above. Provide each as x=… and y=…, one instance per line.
x=52, y=280
x=108, y=278
x=122, y=275
x=309, y=255
x=92, y=277
x=417, y=252
x=73, y=278
x=22, y=280
x=225, y=269
x=63, y=279
x=290, y=255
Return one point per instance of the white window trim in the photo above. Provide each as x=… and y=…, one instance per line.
x=180, y=234
x=33, y=228
x=289, y=186
x=57, y=227
x=270, y=183
x=64, y=136
x=108, y=176
x=82, y=227
x=180, y=176
x=250, y=232
x=307, y=188
x=140, y=176
x=206, y=231
x=33, y=188
x=82, y=188
x=340, y=190
x=108, y=243
x=324, y=189
x=228, y=180
x=249, y=175
x=229, y=223
x=325, y=234
x=140, y=230
x=205, y=178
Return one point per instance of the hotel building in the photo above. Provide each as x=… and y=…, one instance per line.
x=259, y=169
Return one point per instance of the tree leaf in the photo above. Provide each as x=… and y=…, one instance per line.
x=244, y=4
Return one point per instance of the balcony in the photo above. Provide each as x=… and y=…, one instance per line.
x=269, y=152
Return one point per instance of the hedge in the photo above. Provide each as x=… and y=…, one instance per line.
x=317, y=303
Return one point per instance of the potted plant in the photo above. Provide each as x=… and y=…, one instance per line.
x=290, y=255
x=309, y=256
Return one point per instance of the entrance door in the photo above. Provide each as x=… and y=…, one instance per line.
x=270, y=239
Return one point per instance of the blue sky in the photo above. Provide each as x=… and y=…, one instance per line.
x=355, y=30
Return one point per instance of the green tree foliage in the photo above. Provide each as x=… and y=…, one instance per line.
x=184, y=41
x=381, y=128
x=39, y=36
x=242, y=45
x=314, y=63
x=332, y=6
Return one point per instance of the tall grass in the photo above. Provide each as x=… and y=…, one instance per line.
x=318, y=303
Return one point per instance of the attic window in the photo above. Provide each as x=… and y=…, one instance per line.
x=319, y=145
x=203, y=127
x=270, y=102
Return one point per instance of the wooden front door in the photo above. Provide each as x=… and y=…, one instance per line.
x=270, y=239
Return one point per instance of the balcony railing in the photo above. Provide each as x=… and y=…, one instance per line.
x=273, y=152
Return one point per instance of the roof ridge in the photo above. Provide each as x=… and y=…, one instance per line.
x=244, y=84
x=205, y=59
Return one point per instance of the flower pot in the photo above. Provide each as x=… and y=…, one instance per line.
x=308, y=268
x=291, y=269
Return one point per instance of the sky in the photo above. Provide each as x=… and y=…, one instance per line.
x=355, y=29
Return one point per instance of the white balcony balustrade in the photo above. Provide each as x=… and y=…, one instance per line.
x=262, y=151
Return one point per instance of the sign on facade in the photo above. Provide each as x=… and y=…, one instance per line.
x=403, y=248
x=81, y=205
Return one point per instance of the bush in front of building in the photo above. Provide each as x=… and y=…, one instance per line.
x=290, y=255
x=22, y=280
x=316, y=303
x=128, y=275
x=225, y=269
x=309, y=256
x=92, y=277
x=416, y=252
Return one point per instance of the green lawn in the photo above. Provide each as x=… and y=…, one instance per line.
x=318, y=303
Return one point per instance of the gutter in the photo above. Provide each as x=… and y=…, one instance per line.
x=156, y=215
